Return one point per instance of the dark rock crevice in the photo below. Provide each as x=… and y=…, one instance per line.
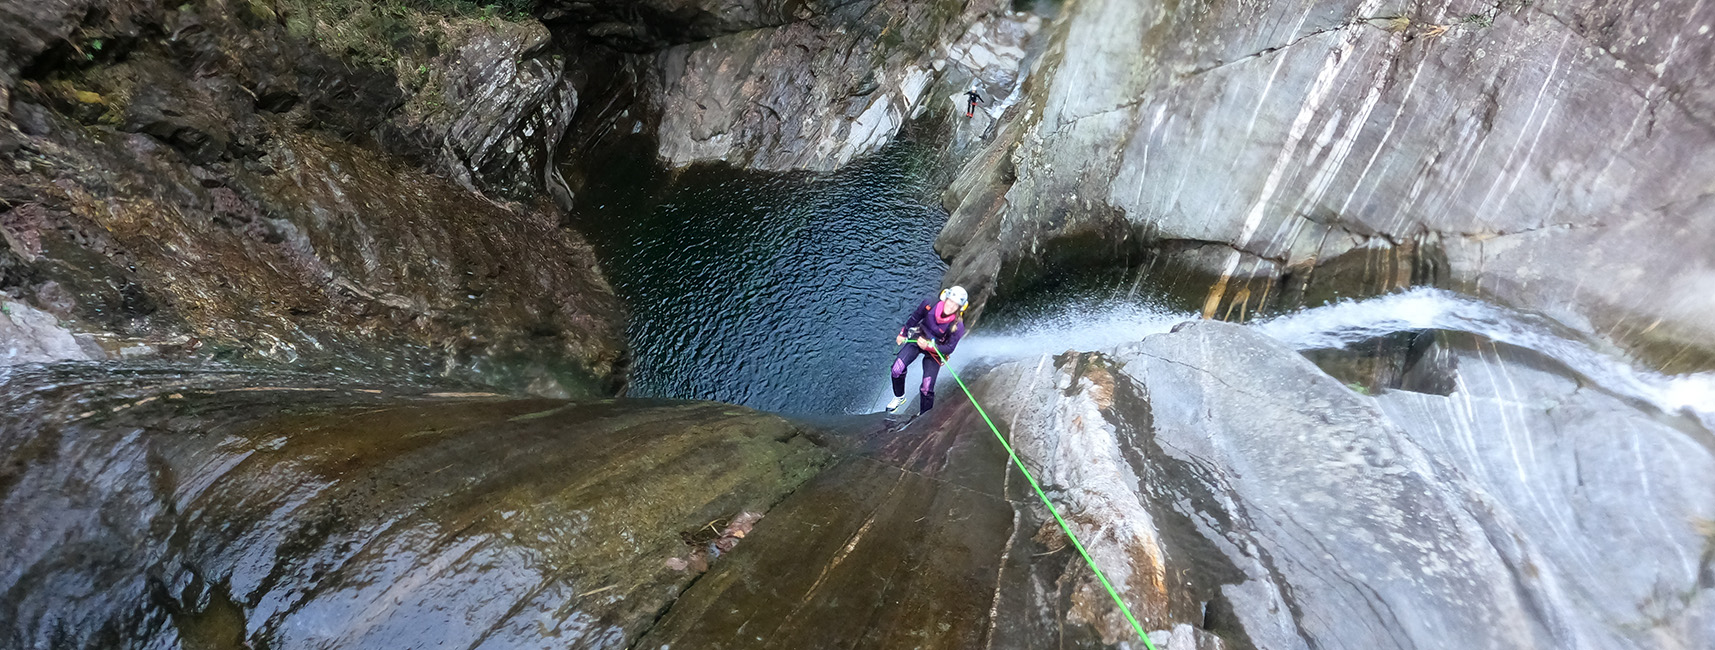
x=1545, y=228
x=654, y=25
x=1354, y=22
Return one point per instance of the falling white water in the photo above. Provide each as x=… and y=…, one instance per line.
x=1351, y=321
x=1106, y=325
x=1081, y=327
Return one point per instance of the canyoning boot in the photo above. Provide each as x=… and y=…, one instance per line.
x=895, y=404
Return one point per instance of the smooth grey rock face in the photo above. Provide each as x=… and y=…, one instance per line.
x=1613, y=505
x=1521, y=511
x=1553, y=151
x=1337, y=496
x=1056, y=422
x=814, y=94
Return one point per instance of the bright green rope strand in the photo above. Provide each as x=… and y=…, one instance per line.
x=1051, y=509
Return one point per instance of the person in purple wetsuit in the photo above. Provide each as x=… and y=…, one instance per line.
x=933, y=329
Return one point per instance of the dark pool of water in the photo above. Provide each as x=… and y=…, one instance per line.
x=776, y=291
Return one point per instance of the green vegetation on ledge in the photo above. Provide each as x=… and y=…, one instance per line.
x=397, y=34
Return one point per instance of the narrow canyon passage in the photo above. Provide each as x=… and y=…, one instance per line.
x=1323, y=324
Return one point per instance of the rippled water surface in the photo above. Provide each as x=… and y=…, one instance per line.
x=775, y=291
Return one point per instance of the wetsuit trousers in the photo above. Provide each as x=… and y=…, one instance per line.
x=931, y=367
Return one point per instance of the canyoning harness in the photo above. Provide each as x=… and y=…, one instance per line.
x=1064, y=527
x=932, y=313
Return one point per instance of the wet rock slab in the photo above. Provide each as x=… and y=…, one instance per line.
x=1526, y=508
x=921, y=536
x=898, y=545
x=160, y=509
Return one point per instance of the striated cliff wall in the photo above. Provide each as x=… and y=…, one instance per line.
x=1551, y=155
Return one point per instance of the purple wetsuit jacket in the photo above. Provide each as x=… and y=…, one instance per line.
x=946, y=334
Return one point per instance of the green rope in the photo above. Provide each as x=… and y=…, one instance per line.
x=1051, y=509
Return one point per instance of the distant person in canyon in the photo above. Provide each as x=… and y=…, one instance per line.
x=971, y=101
x=933, y=329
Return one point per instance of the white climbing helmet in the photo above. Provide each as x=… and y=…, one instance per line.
x=956, y=295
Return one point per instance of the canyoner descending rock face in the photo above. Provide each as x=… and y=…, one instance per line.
x=1264, y=156
x=932, y=331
